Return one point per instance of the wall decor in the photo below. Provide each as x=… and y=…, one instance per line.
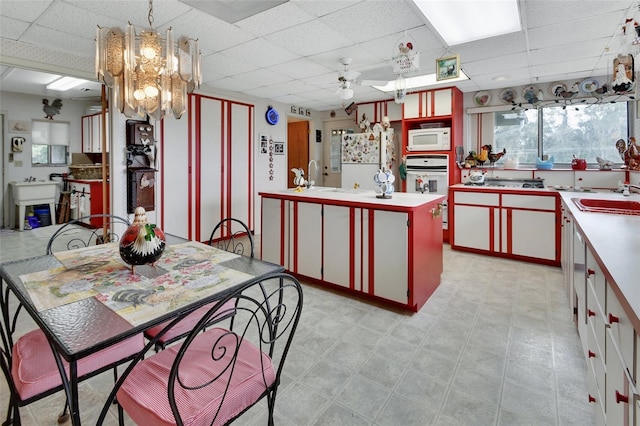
x=272, y=116
x=301, y=111
x=294, y=109
x=508, y=96
x=19, y=126
x=448, y=67
x=17, y=143
x=278, y=148
x=623, y=74
x=308, y=112
x=264, y=144
x=51, y=109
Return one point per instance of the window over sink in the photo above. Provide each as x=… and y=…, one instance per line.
x=561, y=131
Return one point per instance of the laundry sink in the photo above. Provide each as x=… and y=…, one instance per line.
x=30, y=193
x=25, y=192
x=627, y=207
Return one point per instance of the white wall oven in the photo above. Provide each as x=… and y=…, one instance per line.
x=429, y=173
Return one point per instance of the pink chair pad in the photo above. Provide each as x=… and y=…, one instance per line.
x=34, y=368
x=187, y=324
x=144, y=394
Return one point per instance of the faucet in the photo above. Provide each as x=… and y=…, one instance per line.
x=310, y=182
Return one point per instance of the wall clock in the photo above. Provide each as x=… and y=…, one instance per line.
x=272, y=116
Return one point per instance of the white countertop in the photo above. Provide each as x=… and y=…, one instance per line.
x=348, y=196
x=615, y=241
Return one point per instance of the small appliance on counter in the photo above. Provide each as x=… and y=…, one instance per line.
x=579, y=164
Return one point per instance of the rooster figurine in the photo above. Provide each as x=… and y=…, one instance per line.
x=142, y=243
x=51, y=110
x=492, y=156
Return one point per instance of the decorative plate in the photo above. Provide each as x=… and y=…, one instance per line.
x=272, y=116
x=530, y=94
x=482, y=98
x=589, y=85
x=557, y=88
x=508, y=96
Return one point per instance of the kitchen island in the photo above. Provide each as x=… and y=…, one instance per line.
x=389, y=250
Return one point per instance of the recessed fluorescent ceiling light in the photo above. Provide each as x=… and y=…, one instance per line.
x=232, y=11
x=459, y=21
x=421, y=81
x=66, y=83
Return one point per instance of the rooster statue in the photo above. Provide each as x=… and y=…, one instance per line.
x=51, y=110
x=299, y=181
x=485, y=151
x=630, y=153
x=142, y=243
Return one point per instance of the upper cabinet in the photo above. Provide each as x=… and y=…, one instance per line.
x=92, y=133
x=430, y=103
x=378, y=109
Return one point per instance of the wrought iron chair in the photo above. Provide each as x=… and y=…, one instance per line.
x=30, y=368
x=225, y=238
x=28, y=364
x=218, y=373
x=76, y=234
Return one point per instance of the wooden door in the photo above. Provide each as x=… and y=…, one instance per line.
x=298, y=148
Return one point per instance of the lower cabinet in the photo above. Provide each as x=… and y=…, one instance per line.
x=89, y=200
x=506, y=224
x=394, y=256
x=611, y=345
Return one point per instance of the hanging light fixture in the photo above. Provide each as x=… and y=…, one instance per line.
x=150, y=75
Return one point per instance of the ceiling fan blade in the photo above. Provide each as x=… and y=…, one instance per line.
x=372, y=82
x=351, y=75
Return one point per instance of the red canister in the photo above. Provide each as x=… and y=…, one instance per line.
x=578, y=164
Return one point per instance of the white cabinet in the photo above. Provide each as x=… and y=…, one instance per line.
x=390, y=255
x=92, y=133
x=275, y=231
x=378, y=109
x=306, y=230
x=431, y=103
x=529, y=226
x=474, y=220
x=210, y=173
x=336, y=248
x=610, y=343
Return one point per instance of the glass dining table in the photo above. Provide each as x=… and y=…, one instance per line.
x=88, y=299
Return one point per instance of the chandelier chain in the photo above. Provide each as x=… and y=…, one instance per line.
x=150, y=17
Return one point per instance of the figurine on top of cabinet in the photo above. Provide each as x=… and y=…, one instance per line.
x=365, y=125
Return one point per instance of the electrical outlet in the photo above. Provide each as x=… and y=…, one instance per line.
x=18, y=163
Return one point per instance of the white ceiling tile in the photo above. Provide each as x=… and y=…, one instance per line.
x=299, y=68
x=548, y=12
x=60, y=41
x=304, y=39
x=23, y=11
x=276, y=19
x=260, y=52
x=324, y=7
x=12, y=28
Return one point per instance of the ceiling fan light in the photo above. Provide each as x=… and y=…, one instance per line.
x=346, y=93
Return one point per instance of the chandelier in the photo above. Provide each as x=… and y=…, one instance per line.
x=148, y=74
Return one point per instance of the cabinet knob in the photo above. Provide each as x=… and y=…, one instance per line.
x=621, y=398
x=591, y=313
x=590, y=271
x=591, y=354
x=591, y=398
x=613, y=318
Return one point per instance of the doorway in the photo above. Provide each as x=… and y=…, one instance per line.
x=298, y=148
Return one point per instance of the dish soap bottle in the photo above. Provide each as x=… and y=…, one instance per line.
x=625, y=189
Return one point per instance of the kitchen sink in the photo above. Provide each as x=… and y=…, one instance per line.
x=627, y=207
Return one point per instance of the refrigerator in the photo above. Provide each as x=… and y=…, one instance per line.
x=363, y=154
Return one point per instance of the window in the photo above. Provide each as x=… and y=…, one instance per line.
x=583, y=131
x=49, y=143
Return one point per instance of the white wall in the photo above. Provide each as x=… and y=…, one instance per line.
x=25, y=108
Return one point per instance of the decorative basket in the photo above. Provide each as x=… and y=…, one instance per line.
x=87, y=171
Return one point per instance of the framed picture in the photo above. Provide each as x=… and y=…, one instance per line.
x=278, y=148
x=294, y=109
x=448, y=67
x=19, y=126
x=301, y=111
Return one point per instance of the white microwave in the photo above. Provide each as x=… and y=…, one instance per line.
x=433, y=139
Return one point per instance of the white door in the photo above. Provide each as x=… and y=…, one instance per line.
x=333, y=131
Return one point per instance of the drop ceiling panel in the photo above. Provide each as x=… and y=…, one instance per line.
x=304, y=39
x=550, y=12
x=17, y=10
x=281, y=17
x=299, y=68
x=12, y=28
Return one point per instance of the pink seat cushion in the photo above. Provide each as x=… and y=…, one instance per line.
x=144, y=394
x=187, y=324
x=34, y=368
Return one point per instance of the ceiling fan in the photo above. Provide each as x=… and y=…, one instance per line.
x=347, y=78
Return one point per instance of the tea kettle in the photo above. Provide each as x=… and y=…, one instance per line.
x=477, y=176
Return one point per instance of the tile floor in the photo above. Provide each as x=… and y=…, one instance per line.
x=494, y=345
